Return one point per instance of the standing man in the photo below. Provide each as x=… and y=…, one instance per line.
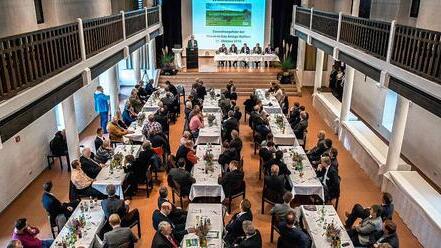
x=102, y=106
x=192, y=43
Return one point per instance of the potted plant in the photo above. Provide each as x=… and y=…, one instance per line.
x=287, y=65
x=166, y=61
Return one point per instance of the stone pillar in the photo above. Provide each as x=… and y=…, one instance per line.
x=70, y=125
x=109, y=81
x=152, y=57
x=347, y=93
x=136, y=56
x=398, y=128
x=355, y=7
x=319, y=70
x=301, y=53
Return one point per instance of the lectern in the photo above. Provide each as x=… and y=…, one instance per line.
x=192, y=58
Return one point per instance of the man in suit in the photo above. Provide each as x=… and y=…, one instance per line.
x=389, y=235
x=89, y=166
x=233, y=50
x=114, y=205
x=245, y=50
x=328, y=176
x=229, y=125
x=252, y=238
x=294, y=114
x=99, y=139
x=274, y=185
x=192, y=43
x=317, y=151
x=119, y=236
x=234, y=227
x=257, y=50
x=292, y=236
x=280, y=210
x=231, y=178
x=278, y=160
x=301, y=127
x=163, y=215
x=164, y=237
x=177, y=215
x=182, y=177
x=58, y=212
x=236, y=142
x=268, y=49
x=229, y=154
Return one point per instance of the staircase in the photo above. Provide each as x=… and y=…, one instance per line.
x=245, y=81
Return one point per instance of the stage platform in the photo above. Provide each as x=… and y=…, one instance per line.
x=213, y=76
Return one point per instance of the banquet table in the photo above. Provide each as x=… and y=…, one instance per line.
x=94, y=218
x=152, y=104
x=315, y=217
x=308, y=183
x=282, y=136
x=204, y=211
x=117, y=175
x=206, y=184
x=270, y=103
x=137, y=134
x=246, y=57
x=211, y=103
x=210, y=134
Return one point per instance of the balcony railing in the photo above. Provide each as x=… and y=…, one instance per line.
x=28, y=59
x=413, y=49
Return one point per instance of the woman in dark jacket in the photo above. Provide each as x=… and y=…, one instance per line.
x=58, y=144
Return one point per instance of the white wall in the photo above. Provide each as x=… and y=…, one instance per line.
x=22, y=162
x=17, y=17
x=428, y=15
x=84, y=105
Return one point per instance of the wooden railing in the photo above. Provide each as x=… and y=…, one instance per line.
x=303, y=16
x=325, y=23
x=134, y=21
x=153, y=16
x=371, y=36
x=418, y=50
x=101, y=33
x=28, y=59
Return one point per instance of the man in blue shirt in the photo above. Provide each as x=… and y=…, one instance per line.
x=102, y=106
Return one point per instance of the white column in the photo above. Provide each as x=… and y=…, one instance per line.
x=347, y=93
x=320, y=58
x=396, y=140
x=301, y=50
x=137, y=64
x=355, y=7
x=109, y=81
x=70, y=125
x=152, y=57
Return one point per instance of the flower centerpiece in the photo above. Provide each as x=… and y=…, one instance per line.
x=333, y=235
x=202, y=229
x=211, y=118
x=280, y=123
x=141, y=118
x=297, y=158
x=74, y=233
x=116, y=161
x=208, y=158
x=212, y=94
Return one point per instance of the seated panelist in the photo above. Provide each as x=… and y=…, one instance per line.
x=268, y=49
x=257, y=49
x=245, y=50
x=233, y=50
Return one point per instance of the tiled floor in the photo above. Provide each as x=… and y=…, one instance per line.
x=356, y=186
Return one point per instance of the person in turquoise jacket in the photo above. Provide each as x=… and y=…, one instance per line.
x=102, y=106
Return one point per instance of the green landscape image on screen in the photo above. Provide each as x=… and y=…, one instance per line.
x=228, y=14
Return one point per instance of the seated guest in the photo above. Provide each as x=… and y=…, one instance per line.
x=114, y=205
x=196, y=123
x=142, y=93
x=82, y=182
x=182, y=177
x=119, y=236
x=196, y=110
x=163, y=215
x=278, y=93
x=164, y=237
x=161, y=116
x=116, y=132
x=58, y=144
x=359, y=211
x=236, y=113
x=252, y=238
x=317, y=151
x=177, y=215
x=328, y=176
x=389, y=235
x=269, y=138
x=267, y=153
x=234, y=227
x=364, y=234
x=171, y=88
x=14, y=244
x=262, y=124
x=149, y=88
x=121, y=123
x=274, y=188
x=131, y=182
x=301, y=127
x=231, y=178
x=58, y=212
x=88, y=165
x=294, y=114
x=187, y=111
x=168, y=99
x=333, y=153
x=236, y=142
x=201, y=91
x=152, y=126
x=229, y=125
x=135, y=102
x=145, y=158
x=268, y=49
x=187, y=152
x=284, y=102
x=27, y=235
x=228, y=154
x=104, y=153
x=278, y=160
x=186, y=136
x=292, y=236
x=280, y=210
x=160, y=143
x=99, y=138
x=128, y=115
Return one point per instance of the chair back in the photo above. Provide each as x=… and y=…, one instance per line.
x=236, y=188
x=181, y=90
x=98, y=241
x=53, y=225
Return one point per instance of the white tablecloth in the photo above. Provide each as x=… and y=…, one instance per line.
x=246, y=57
x=210, y=134
x=282, y=137
x=137, y=134
x=117, y=177
x=211, y=104
x=314, y=224
x=329, y=109
x=418, y=205
x=214, y=212
x=308, y=184
x=94, y=222
x=367, y=149
x=270, y=103
x=151, y=104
